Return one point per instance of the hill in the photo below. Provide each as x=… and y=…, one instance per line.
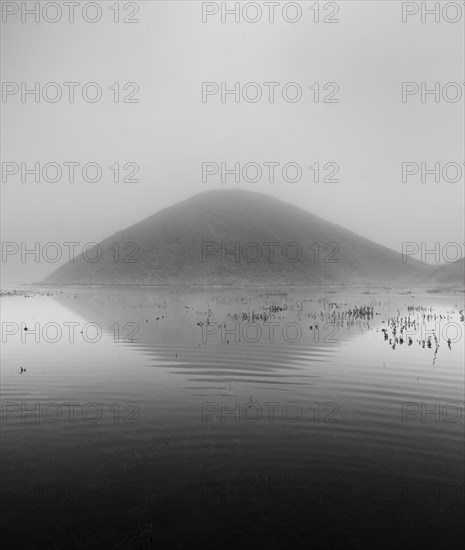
x=449, y=274
x=187, y=244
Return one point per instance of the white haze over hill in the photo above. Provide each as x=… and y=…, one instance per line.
x=170, y=132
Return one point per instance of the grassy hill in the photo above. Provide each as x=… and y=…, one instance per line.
x=170, y=248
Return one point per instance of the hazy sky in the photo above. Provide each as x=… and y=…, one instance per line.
x=170, y=132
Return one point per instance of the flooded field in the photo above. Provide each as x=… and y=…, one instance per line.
x=159, y=418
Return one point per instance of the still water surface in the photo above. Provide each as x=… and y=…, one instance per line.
x=244, y=417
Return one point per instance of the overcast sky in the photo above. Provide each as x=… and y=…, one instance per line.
x=170, y=132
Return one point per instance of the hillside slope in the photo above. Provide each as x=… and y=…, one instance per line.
x=170, y=248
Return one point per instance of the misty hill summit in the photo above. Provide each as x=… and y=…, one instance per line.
x=235, y=237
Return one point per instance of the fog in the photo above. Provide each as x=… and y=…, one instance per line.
x=175, y=127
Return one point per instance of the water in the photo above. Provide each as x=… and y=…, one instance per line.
x=184, y=432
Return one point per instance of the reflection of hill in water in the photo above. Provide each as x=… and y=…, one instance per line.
x=369, y=464
x=250, y=336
